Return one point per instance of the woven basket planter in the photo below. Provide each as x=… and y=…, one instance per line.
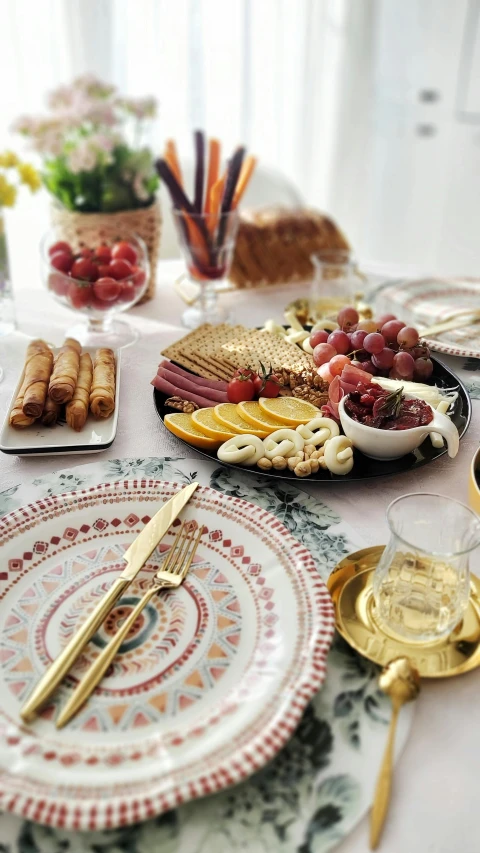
x=92, y=228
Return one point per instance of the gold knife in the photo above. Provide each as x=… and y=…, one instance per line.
x=136, y=556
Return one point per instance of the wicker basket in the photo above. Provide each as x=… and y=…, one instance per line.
x=92, y=228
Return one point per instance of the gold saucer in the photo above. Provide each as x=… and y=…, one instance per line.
x=350, y=585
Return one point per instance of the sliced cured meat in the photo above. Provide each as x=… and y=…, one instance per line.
x=195, y=387
x=166, y=387
x=199, y=380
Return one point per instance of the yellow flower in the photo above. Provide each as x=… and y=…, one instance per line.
x=8, y=159
x=29, y=176
x=8, y=193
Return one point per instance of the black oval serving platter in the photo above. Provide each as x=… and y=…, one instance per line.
x=364, y=468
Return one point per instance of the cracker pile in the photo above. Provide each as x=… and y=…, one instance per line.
x=214, y=352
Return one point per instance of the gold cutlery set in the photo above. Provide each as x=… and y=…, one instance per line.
x=170, y=576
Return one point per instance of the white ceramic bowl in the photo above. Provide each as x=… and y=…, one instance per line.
x=392, y=444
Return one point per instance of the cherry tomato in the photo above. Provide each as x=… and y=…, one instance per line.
x=103, y=253
x=84, y=252
x=128, y=292
x=58, y=283
x=80, y=295
x=246, y=372
x=62, y=261
x=107, y=289
x=120, y=269
x=104, y=270
x=125, y=252
x=84, y=269
x=266, y=386
x=239, y=390
x=61, y=246
x=139, y=277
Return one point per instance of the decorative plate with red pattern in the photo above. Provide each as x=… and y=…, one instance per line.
x=208, y=686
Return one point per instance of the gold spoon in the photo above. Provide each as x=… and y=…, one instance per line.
x=401, y=681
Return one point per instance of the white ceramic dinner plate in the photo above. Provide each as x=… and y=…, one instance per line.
x=427, y=301
x=210, y=683
x=38, y=440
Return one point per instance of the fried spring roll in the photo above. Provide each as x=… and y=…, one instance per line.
x=38, y=367
x=51, y=411
x=65, y=372
x=76, y=410
x=102, y=394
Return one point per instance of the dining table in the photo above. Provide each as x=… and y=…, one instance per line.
x=433, y=806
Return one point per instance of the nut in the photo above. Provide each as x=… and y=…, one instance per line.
x=314, y=465
x=303, y=469
x=308, y=450
x=180, y=405
x=279, y=463
x=293, y=461
x=264, y=463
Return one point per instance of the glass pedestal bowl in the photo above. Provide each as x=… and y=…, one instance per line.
x=96, y=288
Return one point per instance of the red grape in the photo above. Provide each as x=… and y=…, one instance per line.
x=323, y=353
x=423, y=369
x=339, y=341
x=324, y=372
x=61, y=246
x=85, y=269
x=384, y=358
x=62, y=261
x=318, y=337
x=107, y=289
x=337, y=363
x=420, y=351
x=356, y=363
x=384, y=318
x=374, y=343
x=125, y=252
x=367, y=326
x=391, y=329
x=403, y=364
x=369, y=367
x=347, y=317
x=120, y=269
x=358, y=338
x=407, y=337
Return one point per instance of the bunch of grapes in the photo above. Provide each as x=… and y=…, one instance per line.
x=382, y=347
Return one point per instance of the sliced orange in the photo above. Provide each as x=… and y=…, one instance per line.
x=204, y=421
x=182, y=426
x=228, y=415
x=254, y=415
x=289, y=410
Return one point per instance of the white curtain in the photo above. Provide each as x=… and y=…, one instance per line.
x=357, y=102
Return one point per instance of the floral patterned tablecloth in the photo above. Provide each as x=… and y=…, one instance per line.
x=319, y=786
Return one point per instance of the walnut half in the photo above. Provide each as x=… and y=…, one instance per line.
x=180, y=405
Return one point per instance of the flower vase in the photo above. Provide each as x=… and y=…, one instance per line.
x=7, y=307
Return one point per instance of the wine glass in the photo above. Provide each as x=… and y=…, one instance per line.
x=422, y=582
x=207, y=241
x=97, y=301
x=336, y=281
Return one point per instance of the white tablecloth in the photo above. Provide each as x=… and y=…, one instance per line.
x=435, y=789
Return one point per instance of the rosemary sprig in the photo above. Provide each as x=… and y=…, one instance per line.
x=389, y=406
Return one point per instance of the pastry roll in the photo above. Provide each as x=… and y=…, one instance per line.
x=50, y=412
x=102, y=395
x=17, y=418
x=65, y=372
x=38, y=367
x=76, y=410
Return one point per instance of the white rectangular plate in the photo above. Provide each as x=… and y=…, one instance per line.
x=38, y=440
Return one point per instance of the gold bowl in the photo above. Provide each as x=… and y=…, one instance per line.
x=474, y=483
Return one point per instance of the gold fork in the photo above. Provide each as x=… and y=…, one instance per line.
x=170, y=575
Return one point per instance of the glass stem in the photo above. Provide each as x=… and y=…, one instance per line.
x=97, y=325
x=208, y=296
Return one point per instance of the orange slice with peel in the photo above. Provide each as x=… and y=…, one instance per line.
x=291, y=411
x=228, y=415
x=254, y=415
x=182, y=426
x=204, y=420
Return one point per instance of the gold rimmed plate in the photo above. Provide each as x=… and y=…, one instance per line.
x=351, y=588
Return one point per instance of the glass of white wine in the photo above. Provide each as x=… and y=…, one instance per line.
x=336, y=282
x=422, y=582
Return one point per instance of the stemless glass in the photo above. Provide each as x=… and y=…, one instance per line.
x=421, y=584
x=336, y=281
x=207, y=242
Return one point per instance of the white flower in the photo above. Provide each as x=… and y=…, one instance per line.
x=83, y=158
x=139, y=107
